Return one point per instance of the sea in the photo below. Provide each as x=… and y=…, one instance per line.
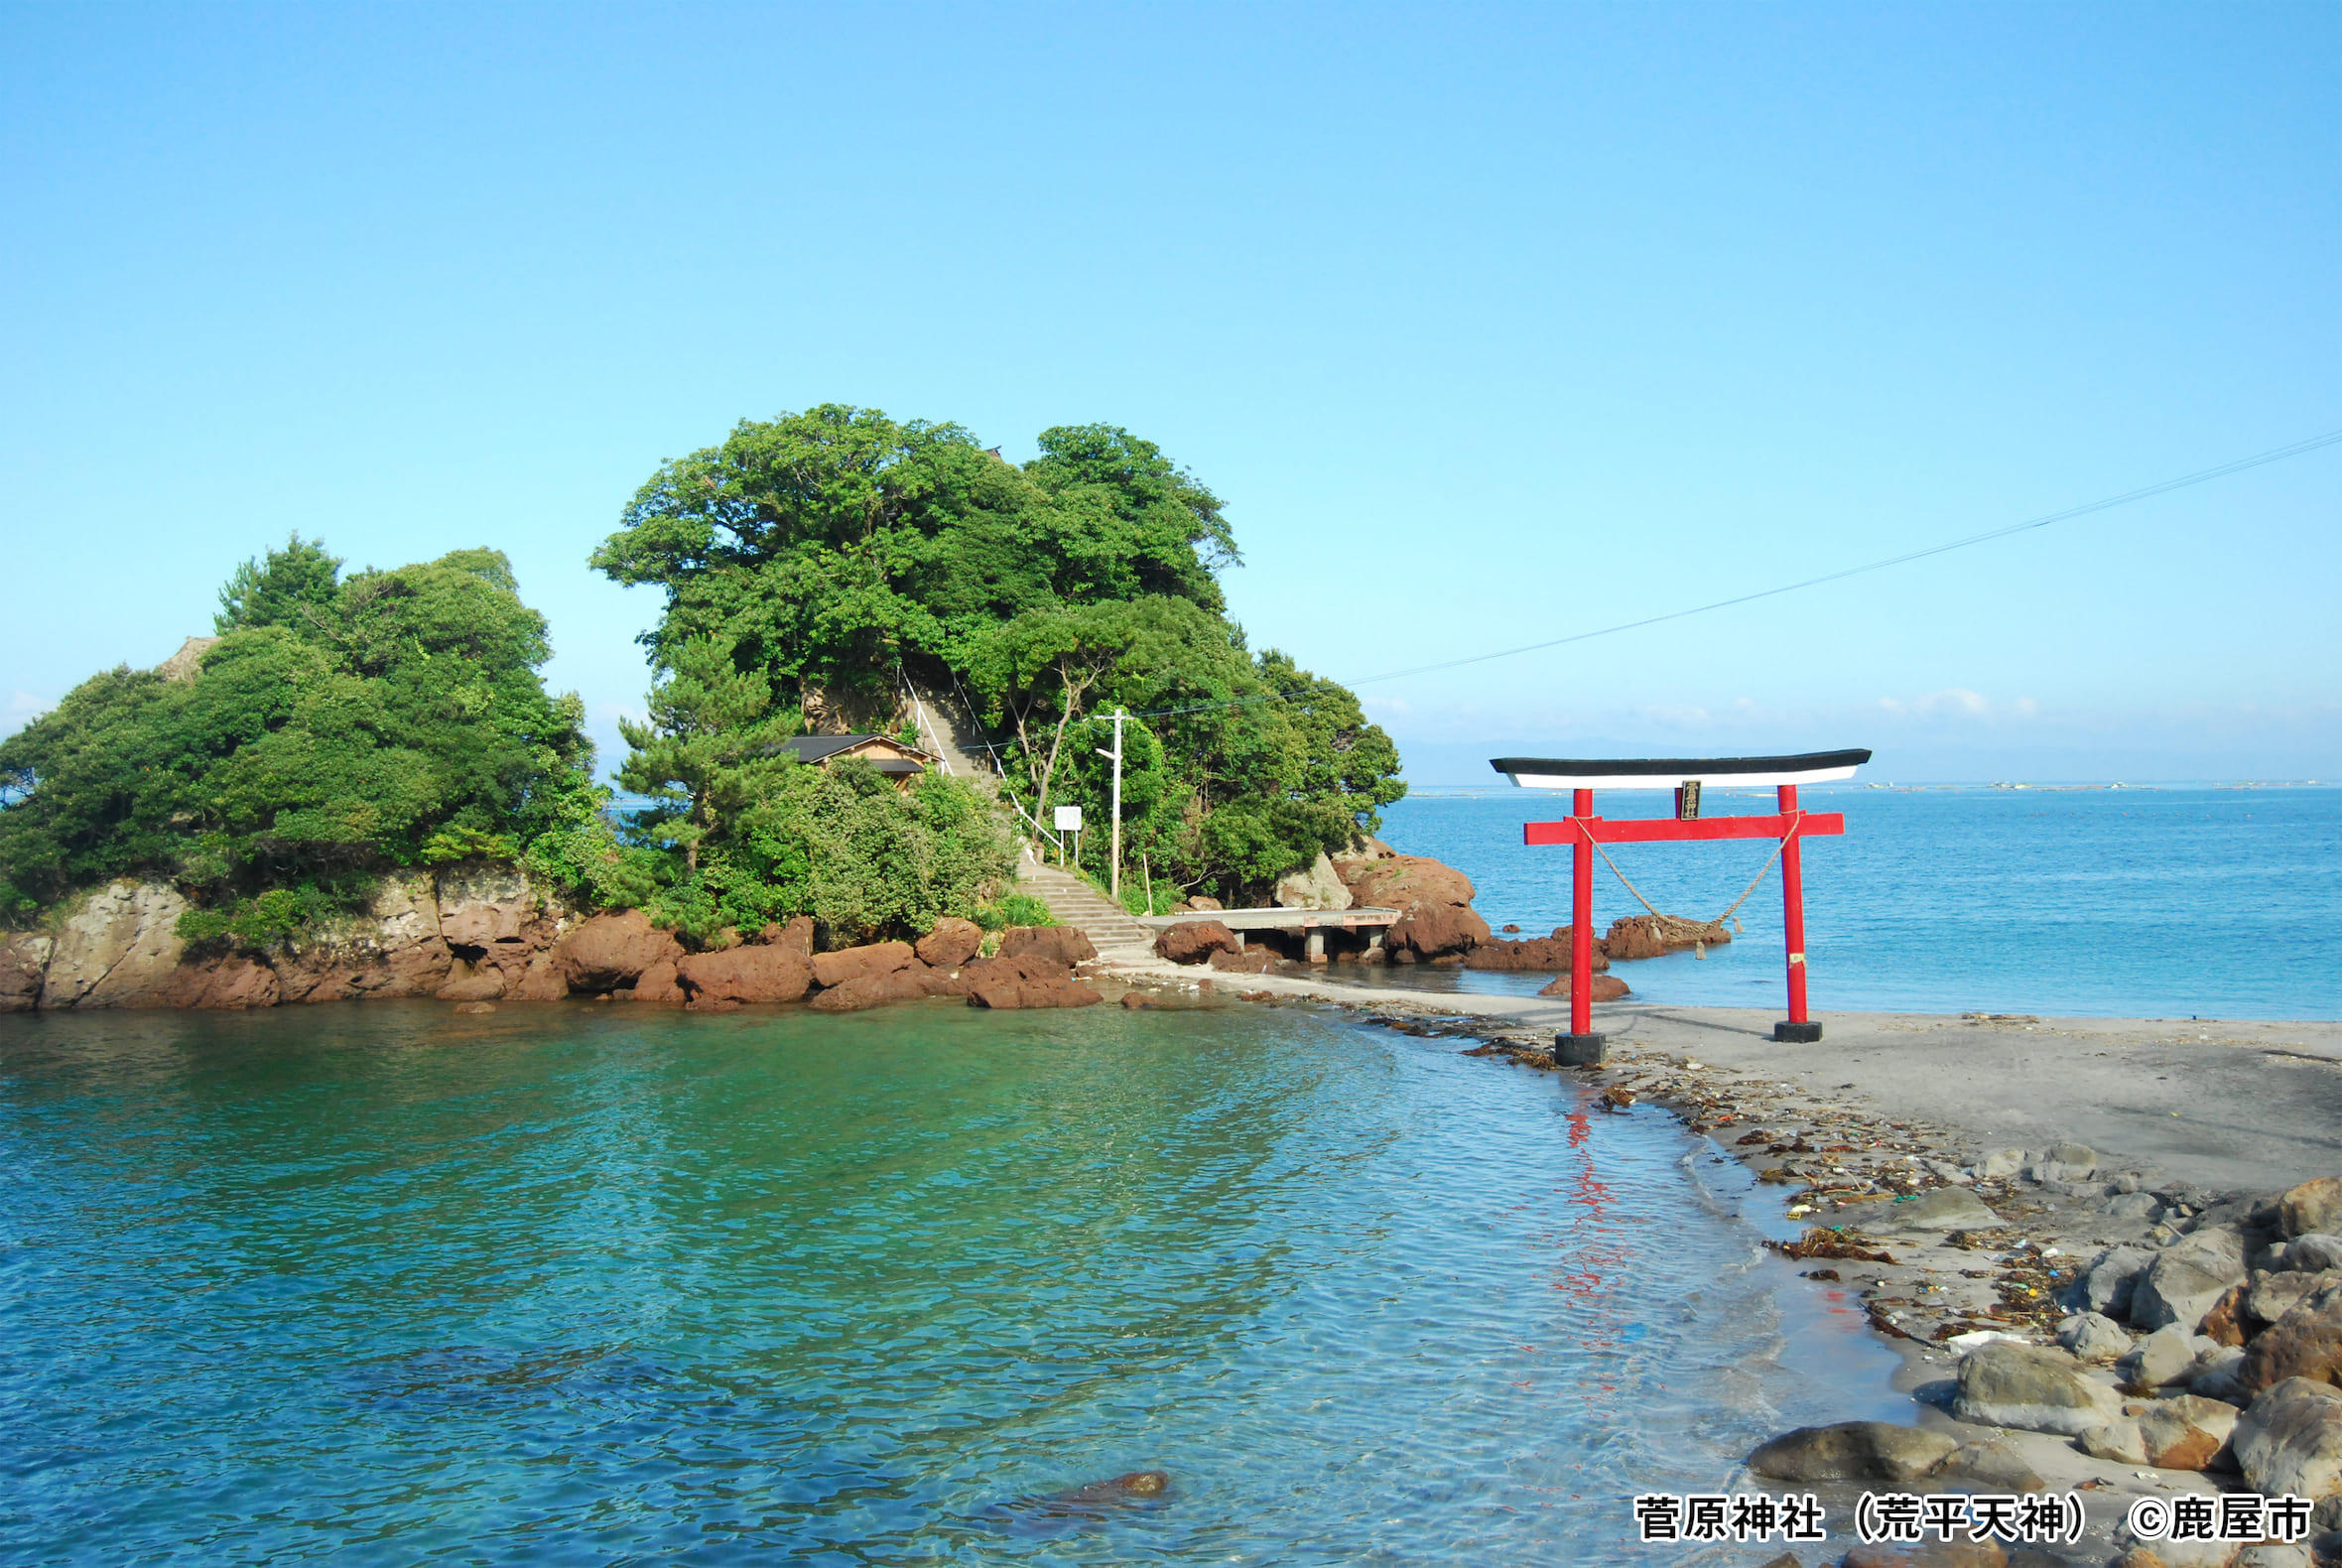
x=379, y=1283
x=375, y=1283
x=2177, y=901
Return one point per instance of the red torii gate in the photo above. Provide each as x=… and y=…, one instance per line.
x=1684, y=776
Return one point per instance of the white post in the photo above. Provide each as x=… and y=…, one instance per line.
x=1114, y=873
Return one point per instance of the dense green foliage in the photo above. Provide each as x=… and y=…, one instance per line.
x=338, y=728
x=832, y=554
x=738, y=834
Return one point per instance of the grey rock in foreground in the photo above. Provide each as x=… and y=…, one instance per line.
x=2290, y=1440
x=1851, y=1451
x=1938, y=1209
x=2187, y=1278
x=2031, y=1389
x=2094, y=1337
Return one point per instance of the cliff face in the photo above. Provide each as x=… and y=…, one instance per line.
x=469, y=933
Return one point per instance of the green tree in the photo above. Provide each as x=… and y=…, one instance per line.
x=292, y=587
x=399, y=722
x=710, y=750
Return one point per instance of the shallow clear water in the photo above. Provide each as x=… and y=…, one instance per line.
x=2220, y=903
x=379, y=1284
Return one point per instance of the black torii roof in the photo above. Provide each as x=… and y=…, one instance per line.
x=1804, y=767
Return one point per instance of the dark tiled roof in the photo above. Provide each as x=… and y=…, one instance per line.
x=820, y=748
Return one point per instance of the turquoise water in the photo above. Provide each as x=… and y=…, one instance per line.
x=373, y=1283
x=2219, y=903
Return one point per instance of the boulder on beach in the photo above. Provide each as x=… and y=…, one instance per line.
x=951, y=944
x=1404, y=882
x=1936, y=1208
x=2304, y=1343
x=1252, y=961
x=2034, y=1389
x=2289, y=1440
x=2164, y=1357
x=1534, y=953
x=2185, y=1432
x=2314, y=1206
x=2094, y=1337
x=1195, y=941
x=1602, y=987
x=759, y=974
x=1067, y=945
x=608, y=952
x=659, y=982
x=1315, y=886
x=1433, y=931
x=1851, y=1451
x=1008, y=995
x=873, y=990
x=2187, y=1278
x=2113, y=1276
x=1633, y=936
x=862, y=963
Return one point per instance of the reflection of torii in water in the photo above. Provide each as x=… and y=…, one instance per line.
x=1587, y=834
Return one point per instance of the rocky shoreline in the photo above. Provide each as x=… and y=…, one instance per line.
x=480, y=936
x=2069, y=1319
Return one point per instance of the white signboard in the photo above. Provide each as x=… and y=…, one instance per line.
x=1069, y=818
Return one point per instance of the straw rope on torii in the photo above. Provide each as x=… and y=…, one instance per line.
x=1676, y=930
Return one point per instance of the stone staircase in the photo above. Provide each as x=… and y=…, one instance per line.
x=947, y=729
x=1074, y=902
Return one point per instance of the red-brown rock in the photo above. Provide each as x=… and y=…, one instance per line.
x=1019, y=967
x=230, y=983
x=1433, y=930
x=393, y=950
x=1195, y=941
x=951, y=944
x=1404, y=881
x=1536, y=953
x=659, y=982
x=2306, y=1343
x=797, y=936
x=467, y=982
x=873, y=990
x=609, y=952
x=1252, y=961
x=543, y=979
x=24, y=962
x=865, y=962
x=1064, y=944
x=1132, y=1001
x=764, y=973
x=1634, y=937
x=1604, y=987
x=1005, y=996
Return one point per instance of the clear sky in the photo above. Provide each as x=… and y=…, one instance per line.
x=1489, y=323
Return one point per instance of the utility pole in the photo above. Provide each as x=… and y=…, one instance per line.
x=1114, y=873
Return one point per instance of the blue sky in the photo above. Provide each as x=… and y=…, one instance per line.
x=1489, y=323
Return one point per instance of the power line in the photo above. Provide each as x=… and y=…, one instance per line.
x=2144, y=492
x=2165, y=487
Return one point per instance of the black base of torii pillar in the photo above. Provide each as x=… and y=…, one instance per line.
x=1582, y=831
